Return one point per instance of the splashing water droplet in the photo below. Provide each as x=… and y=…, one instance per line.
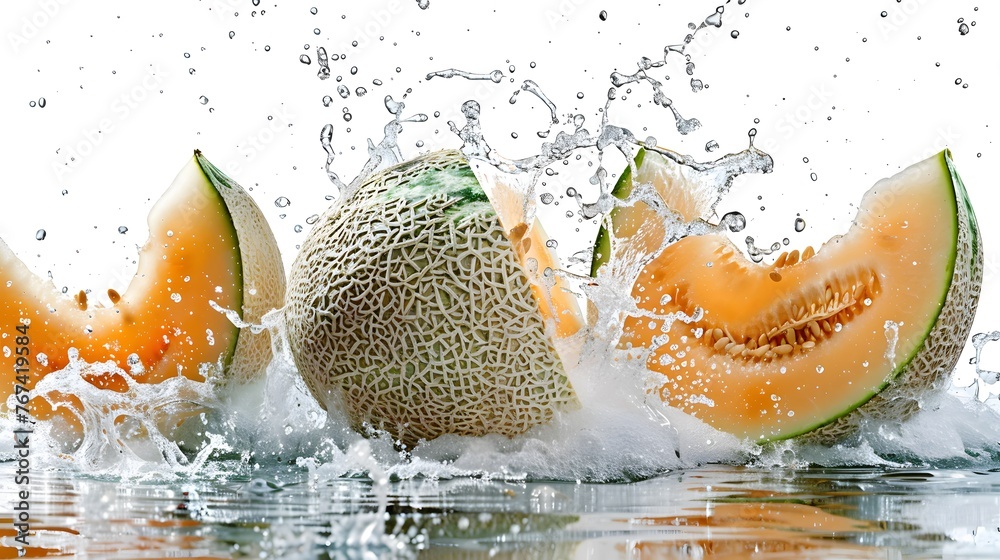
x=122, y=230
x=800, y=224
x=603, y=15
x=40, y=235
x=711, y=146
x=343, y=91
x=813, y=176
x=41, y=102
x=327, y=100
x=735, y=221
x=203, y=100
x=423, y=4
x=324, y=63
x=282, y=202
x=360, y=91
x=963, y=29
x=547, y=198
x=304, y=59
x=232, y=34
x=734, y=34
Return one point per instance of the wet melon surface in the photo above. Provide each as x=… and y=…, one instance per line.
x=209, y=248
x=819, y=340
x=413, y=308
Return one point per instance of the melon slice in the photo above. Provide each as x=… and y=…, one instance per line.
x=414, y=309
x=819, y=340
x=209, y=247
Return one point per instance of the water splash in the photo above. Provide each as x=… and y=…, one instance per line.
x=494, y=76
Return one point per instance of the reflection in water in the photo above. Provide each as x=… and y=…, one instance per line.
x=710, y=512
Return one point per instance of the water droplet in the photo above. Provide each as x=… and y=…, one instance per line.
x=734, y=34
x=298, y=228
x=203, y=99
x=348, y=117
x=327, y=100
x=316, y=31
x=41, y=102
x=122, y=230
x=963, y=29
x=304, y=59
x=313, y=11
x=603, y=15
x=175, y=297
x=187, y=55
x=711, y=146
x=579, y=95
x=734, y=221
x=547, y=198
x=32, y=103
x=800, y=224
x=805, y=160
x=360, y=91
x=819, y=369
x=551, y=243
x=354, y=70
x=232, y=34
x=191, y=71
x=40, y=235
x=343, y=91
x=282, y=202
x=958, y=81
x=885, y=13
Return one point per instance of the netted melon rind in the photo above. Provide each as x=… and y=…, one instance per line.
x=263, y=274
x=929, y=371
x=411, y=310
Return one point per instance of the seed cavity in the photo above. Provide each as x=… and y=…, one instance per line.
x=797, y=326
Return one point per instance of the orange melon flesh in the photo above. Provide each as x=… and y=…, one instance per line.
x=553, y=293
x=813, y=336
x=165, y=318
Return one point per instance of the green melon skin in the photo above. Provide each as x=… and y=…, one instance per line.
x=928, y=367
x=409, y=310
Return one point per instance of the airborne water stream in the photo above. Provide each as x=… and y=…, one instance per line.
x=267, y=472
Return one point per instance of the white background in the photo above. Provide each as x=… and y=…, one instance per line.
x=858, y=94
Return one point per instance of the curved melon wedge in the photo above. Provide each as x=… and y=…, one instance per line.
x=209, y=246
x=818, y=341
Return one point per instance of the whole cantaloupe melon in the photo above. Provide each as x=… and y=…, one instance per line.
x=413, y=308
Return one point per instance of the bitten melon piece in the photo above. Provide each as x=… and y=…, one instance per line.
x=413, y=307
x=209, y=247
x=819, y=340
